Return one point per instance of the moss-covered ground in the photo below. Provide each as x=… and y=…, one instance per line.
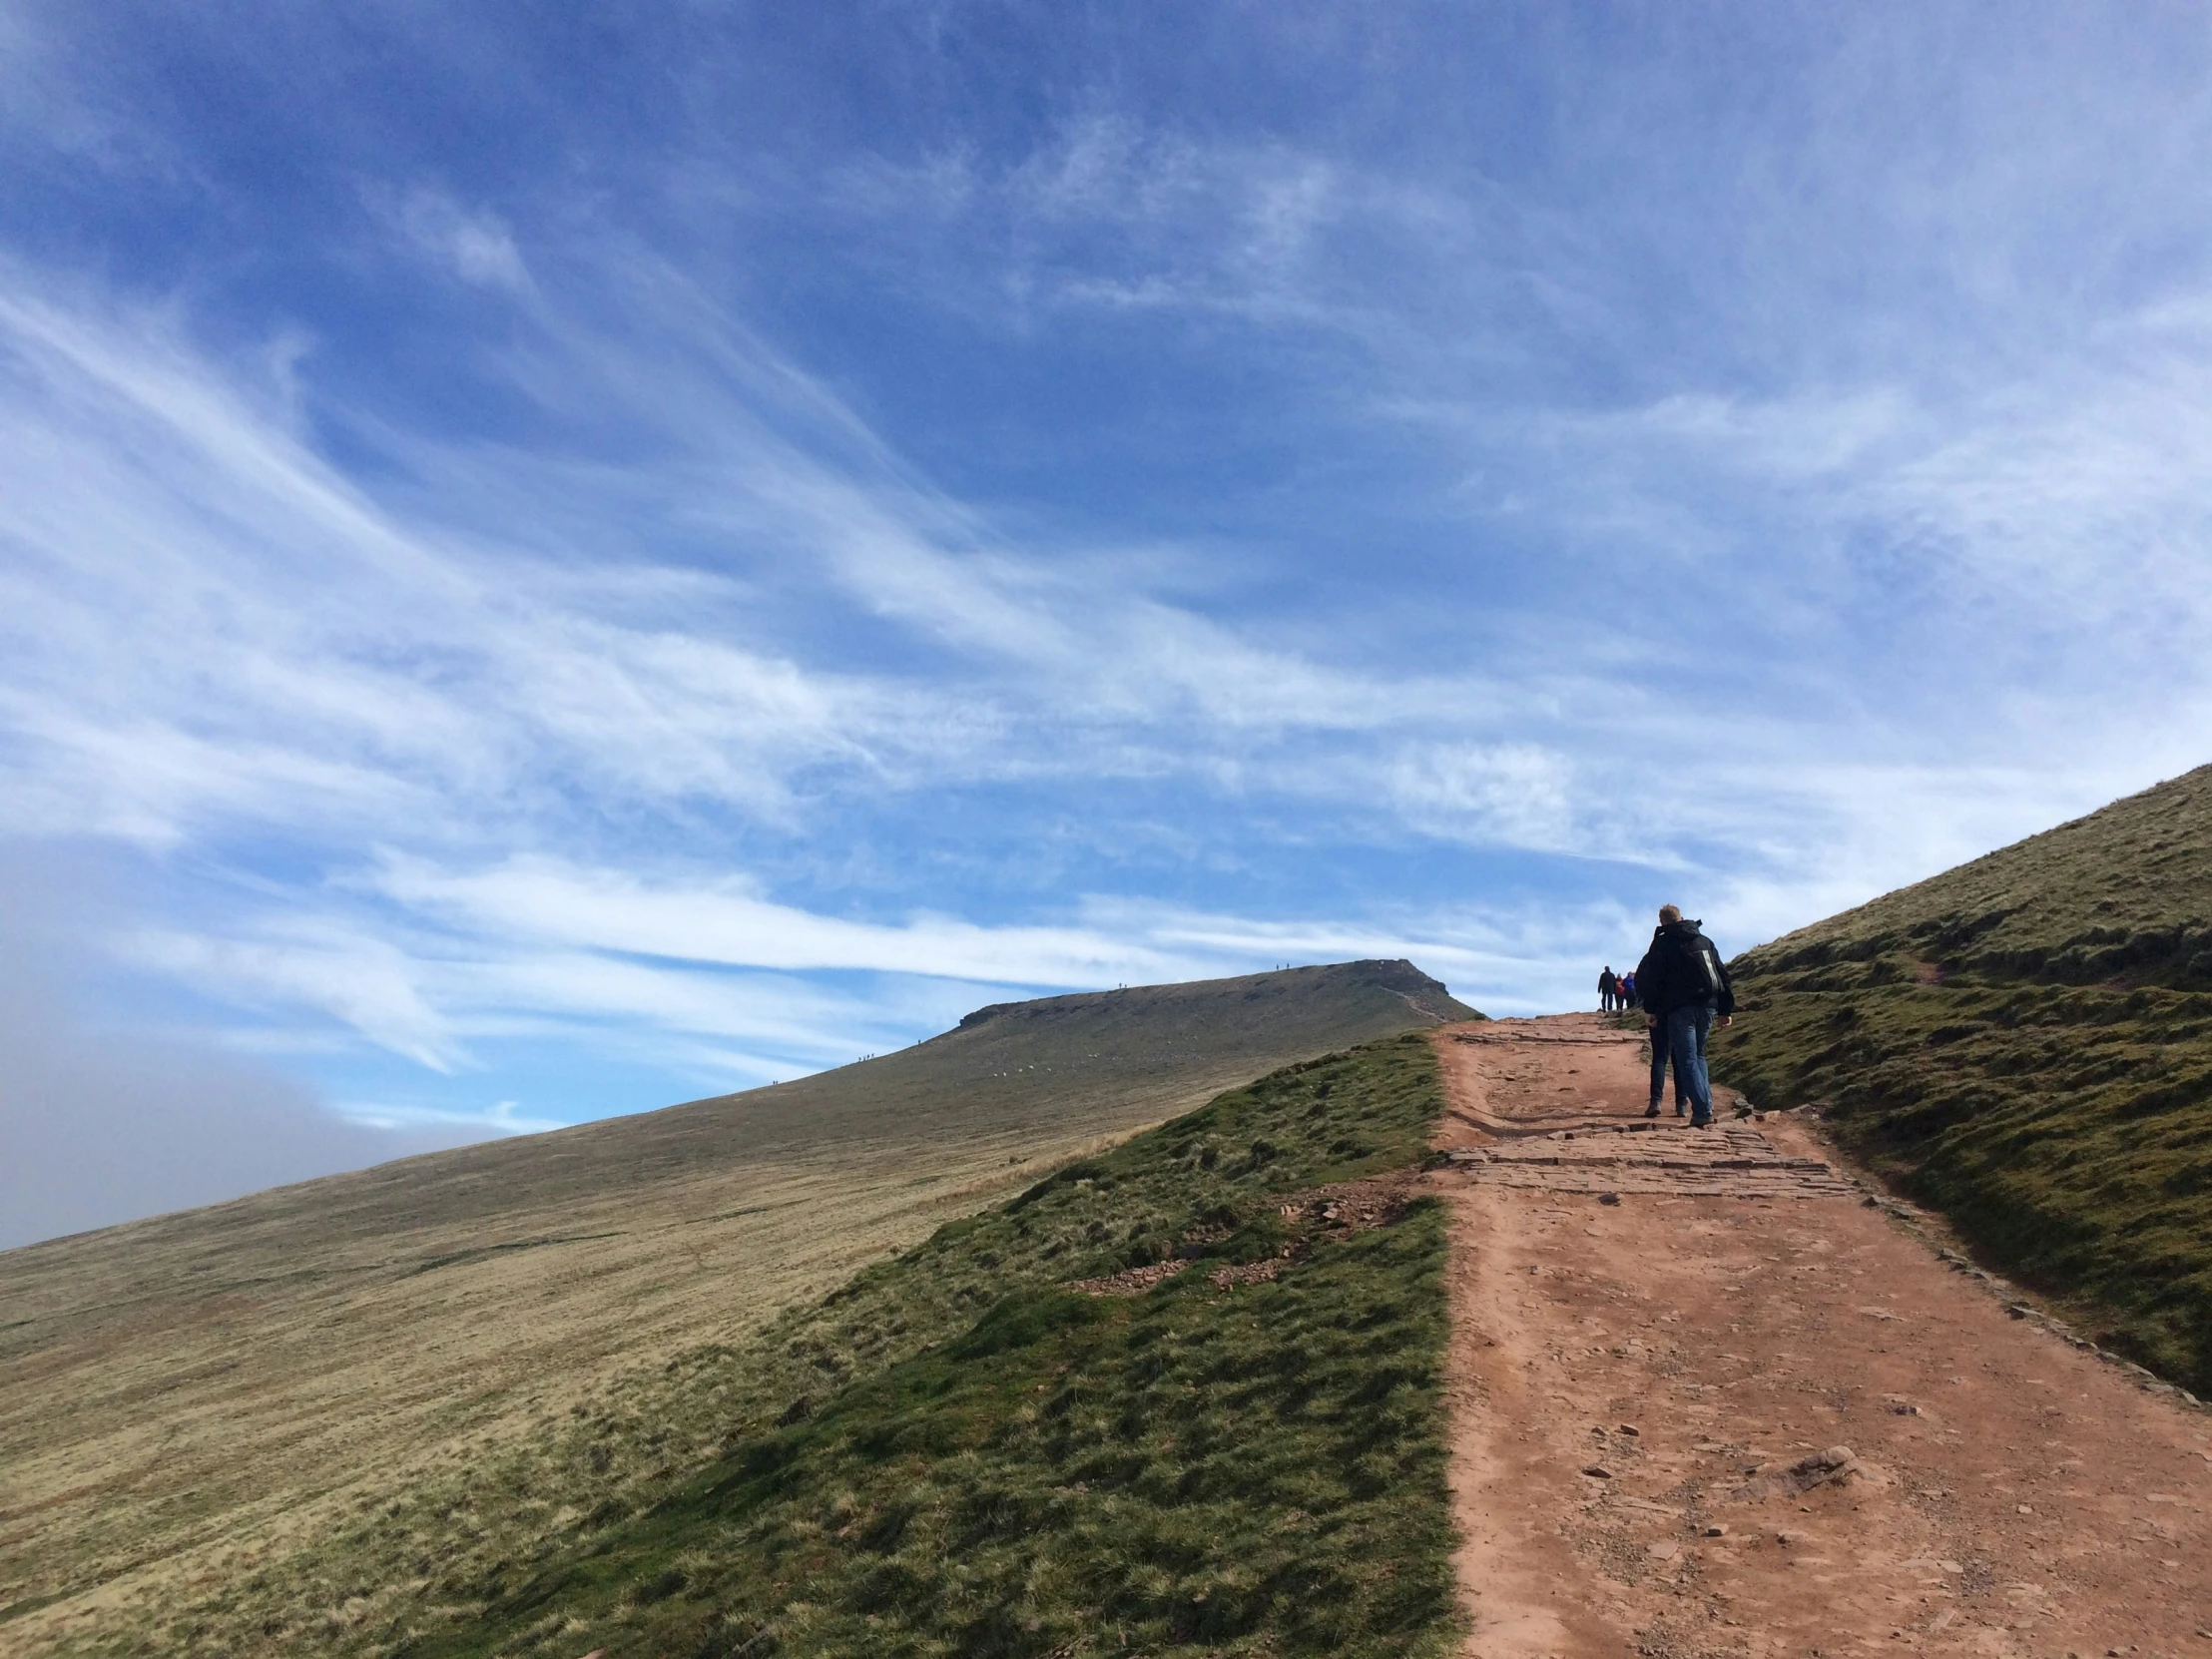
x=952, y=1454
x=2025, y=1044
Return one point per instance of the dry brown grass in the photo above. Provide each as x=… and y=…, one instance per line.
x=186, y=1397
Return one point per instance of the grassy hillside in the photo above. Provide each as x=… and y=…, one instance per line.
x=187, y=1396
x=954, y=1453
x=2025, y=1042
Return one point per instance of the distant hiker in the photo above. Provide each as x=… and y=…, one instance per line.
x=1682, y=983
x=1628, y=989
x=1608, y=988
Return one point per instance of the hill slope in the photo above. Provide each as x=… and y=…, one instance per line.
x=189, y=1393
x=2025, y=1042
x=958, y=1453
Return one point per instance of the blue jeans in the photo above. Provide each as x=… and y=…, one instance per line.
x=1681, y=1036
x=1659, y=1046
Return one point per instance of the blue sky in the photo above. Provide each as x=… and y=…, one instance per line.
x=555, y=560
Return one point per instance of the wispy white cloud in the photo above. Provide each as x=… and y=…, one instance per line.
x=1112, y=215
x=1513, y=795
x=553, y=903
x=366, y=983
x=275, y=645
x=503, y=1117
x=206, y=622
x=476, y=246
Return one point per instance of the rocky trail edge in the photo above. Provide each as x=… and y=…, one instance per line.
x=1712, y=1395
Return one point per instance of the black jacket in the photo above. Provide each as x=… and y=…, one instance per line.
x=1683, y=969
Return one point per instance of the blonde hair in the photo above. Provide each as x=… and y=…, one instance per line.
x=1670, y=913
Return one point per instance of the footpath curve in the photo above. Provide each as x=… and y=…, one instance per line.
x=1711, y=1398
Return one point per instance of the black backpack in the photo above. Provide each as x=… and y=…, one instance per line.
x=1701, y=967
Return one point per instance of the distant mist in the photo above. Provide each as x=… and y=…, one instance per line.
x=101, y=1123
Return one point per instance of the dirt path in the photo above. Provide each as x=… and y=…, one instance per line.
x=1709, y=1398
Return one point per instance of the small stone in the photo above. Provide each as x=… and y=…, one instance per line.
x=1608, y=1197
x=2023, y=1508
x=1836, y=1462
x=1715, y=1531
x=1631, y=1429
x=1599, y=1471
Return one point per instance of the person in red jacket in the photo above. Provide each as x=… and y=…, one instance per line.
x=1683, y=984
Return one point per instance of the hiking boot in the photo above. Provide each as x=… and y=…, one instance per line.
x=1679, y=1109
x=1652, y=1110
x=1705, y=1122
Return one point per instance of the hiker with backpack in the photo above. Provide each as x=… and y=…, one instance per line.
x=1682, y=983
x=1608, y=988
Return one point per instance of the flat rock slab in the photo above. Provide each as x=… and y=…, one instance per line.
x=1726, y=1160
x=1696, y=1414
